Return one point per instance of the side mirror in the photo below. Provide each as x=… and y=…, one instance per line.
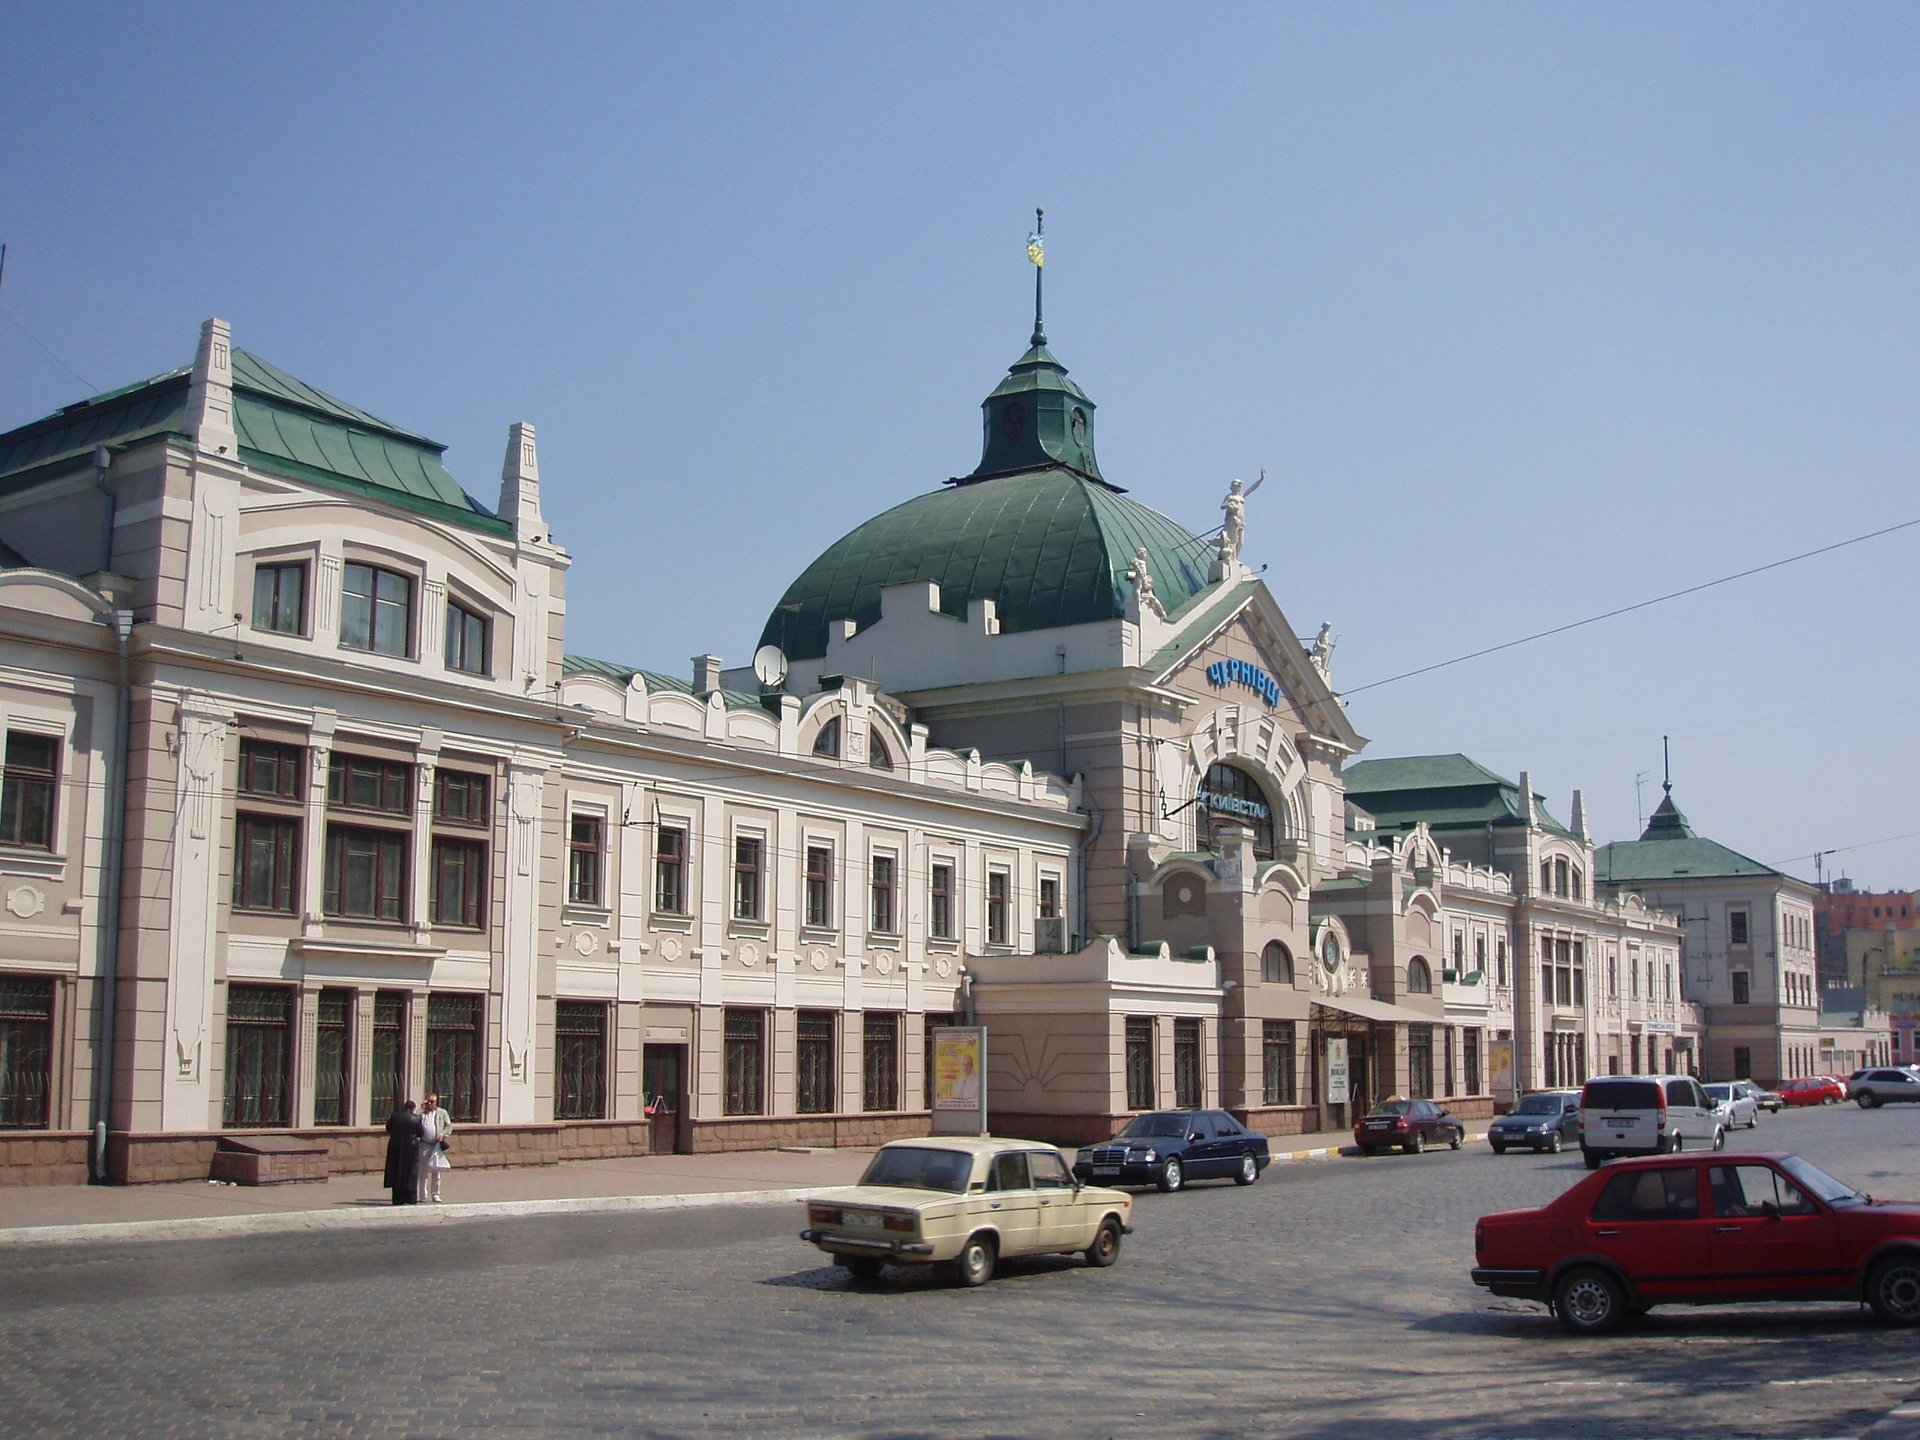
x=1194, y=1135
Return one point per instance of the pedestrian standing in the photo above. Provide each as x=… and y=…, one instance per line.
x=403, y=1154
x=436, y=1128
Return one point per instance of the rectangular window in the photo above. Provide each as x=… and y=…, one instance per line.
x=266, y=859
x=749, y=866
x=366, y=875
x=26, y=1053
x=1187, y=1080
x=940, y=903
x=745, y=1062
x=27, y=789
x=1140, y=1062
x=453, y=1052
x=333, y=1057
x=268, y=770
x=1470, y=1050
x=998, y=907
x=1742, y=988
x=1276, y=1063
x=459, y=797
x=880, y=1061
x=376, y=610
x=259, y=1045
x=280, y=598
x=1420, y=1061
x=813, y=1061
x=670, y=872
x=1736, y=927
x=883, y=888
x=1446, y=1067
x=466, y=640
x=1742, y=1062
x=586, y=843
x=819, y=886
x=355, y=782
x=1500, y=960
x=580, y=1060
x=1049, y=924
x=389, y=1052
x=459, y=882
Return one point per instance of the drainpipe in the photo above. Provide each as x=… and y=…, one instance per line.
x=1093, y=834
x=111, y=864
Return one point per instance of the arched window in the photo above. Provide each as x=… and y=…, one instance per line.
x=827, y=742
x=1419, y=977
x=1230, y=793
x=878, y=755
x=1560, y=878
x=1276, y=964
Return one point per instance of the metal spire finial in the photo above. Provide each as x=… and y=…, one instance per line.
x=1037, y=253
x=1666, y=765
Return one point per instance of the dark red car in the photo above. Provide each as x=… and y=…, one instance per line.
x=1407, y=1125
x=1703, y=1230
x=1813, y=1090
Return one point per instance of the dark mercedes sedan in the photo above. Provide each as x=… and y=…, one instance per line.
x=1545, y=1120
x=1170, y=1147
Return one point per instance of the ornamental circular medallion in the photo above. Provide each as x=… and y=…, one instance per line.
x=883, y=964
x=749, y=955
x=943, y=967
x=585, y=942
x=669, y=949
x=1185, y=894
x=25, y=902
x=817, y=959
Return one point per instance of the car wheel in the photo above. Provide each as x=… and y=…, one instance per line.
x=1593, y=1161
x=1827, y=1100
x=1719, y=1139
x=1867, y=1102
x=1554, y=1143
x=1496, y=1147
x=1673, y=1144
x=1106, y=1245
x=1589, y=1302
x=974, y=1264
x=1893, y=1290
x=862, y=1267
x=1459, y=1136
x=1249, y=1171
x=1172, y=1176
x=1753, y=1121
x=1417, y=1143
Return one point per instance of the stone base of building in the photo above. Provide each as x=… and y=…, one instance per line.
x=827, y=1132
x=1279, y=1120
x=50, y=1158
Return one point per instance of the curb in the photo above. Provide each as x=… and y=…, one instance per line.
x=384, y=1216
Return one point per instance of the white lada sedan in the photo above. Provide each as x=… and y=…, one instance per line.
x=966, y=1203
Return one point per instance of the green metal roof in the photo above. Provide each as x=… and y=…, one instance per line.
x=1049, y=547
x=284, y=426
x=656, y=681
x=1636, y=862
x=1666, y=822
x=1441, y=791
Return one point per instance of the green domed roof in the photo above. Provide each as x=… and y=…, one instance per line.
x=1048, y=547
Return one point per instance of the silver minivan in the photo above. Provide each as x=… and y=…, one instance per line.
x=1646, y=1115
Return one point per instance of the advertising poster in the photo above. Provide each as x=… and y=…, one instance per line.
x=1500, y=1067
x=959, y=1062
x=1337, y=1088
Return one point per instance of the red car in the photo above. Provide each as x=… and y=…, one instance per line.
x=1703, y=1230
x=1813, y=1090
x=1409, y=1125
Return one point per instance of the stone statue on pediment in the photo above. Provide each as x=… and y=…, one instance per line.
x=1322, y=653
x=1141, y=577
x=1233, y=534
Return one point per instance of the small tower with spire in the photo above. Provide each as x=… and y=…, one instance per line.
x=1666, y=822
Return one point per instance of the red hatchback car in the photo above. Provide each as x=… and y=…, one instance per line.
x=1813, y=1090
x=1703, y=1230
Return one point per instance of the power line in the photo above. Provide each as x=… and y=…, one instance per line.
x=1629, y=609
x=49, y=356
x=1845, y=849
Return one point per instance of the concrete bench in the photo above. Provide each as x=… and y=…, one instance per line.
x=268, y=1159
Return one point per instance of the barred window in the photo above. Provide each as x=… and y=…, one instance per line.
x=880, y=1062
x=1470, y=1050
x=389, y=1051
x=882, y=889
x=670, y=870
x=1140, y=1062
x=940, y=904
x=1187, y=1078
x=580, y=1060
x=749, y=868
x=744, y=1061
x=26, y=1053
x=1420, y=1060
x=454, y=1047
x=813, y=1062
x=333, y=1058
x=259, y=1045
x=1277, y=1062
x=27, y=790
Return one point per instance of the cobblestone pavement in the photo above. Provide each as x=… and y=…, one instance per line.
x=1330, y=1300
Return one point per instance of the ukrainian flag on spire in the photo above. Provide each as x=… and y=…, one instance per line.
x=1037, y=249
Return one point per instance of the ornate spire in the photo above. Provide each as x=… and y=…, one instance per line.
x=1037, y=253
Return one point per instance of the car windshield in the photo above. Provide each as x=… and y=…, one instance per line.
x=1392, y=1107
x=1720, y=1092
x=916, y=1169
x=1167, y=1122
x=1538, y=1105
x=1817, y=1182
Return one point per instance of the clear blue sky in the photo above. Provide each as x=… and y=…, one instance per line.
x=1529, y=312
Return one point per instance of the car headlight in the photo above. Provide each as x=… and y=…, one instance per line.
x=1147, y=1156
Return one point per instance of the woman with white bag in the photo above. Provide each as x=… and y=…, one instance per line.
x=436, y=1126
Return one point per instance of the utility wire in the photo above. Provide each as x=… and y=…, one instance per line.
x=1845, y=849
x=49, y=356
x=1629, y=609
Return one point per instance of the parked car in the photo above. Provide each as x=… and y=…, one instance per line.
x=1642, y=1114
x=1768, y=1100
x=1885, y=1085
x=1844, y=1089
x=1545, y=1120
x=1704, y=1230
x=1168, y=1148
x=966, y=1203
x=1812, y=1090
x=1409, y=1125
x=1738, y=1109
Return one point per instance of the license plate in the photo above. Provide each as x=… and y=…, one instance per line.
x=1379, y=1124
x=1106, y=1169
x=863, y=1222
x=1620, y=1122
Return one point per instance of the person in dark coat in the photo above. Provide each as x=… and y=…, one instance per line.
x=404, y=1133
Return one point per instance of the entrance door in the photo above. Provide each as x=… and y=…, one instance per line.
x=1359, y=1074
x=663, y=1087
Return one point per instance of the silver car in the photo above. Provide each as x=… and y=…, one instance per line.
x=1884, y=1085
x=1736, y=1105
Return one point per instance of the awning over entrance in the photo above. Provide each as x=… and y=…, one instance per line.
x=1370, y=1009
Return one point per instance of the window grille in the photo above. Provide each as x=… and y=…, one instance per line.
x=1277, y=1063
x=1140, y=1062
x=880, y=1061
x=813, y=1062
x=259, y=1035
x=1187, y=1091
x=745, y=1062
x=333, y=1057
x=453, y=1053
x=389, y=1051
x=26, y=1053
x=580, y=1060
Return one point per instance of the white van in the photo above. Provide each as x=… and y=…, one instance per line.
x=1646, y=1115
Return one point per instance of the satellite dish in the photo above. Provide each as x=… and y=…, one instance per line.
x=770, y=664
